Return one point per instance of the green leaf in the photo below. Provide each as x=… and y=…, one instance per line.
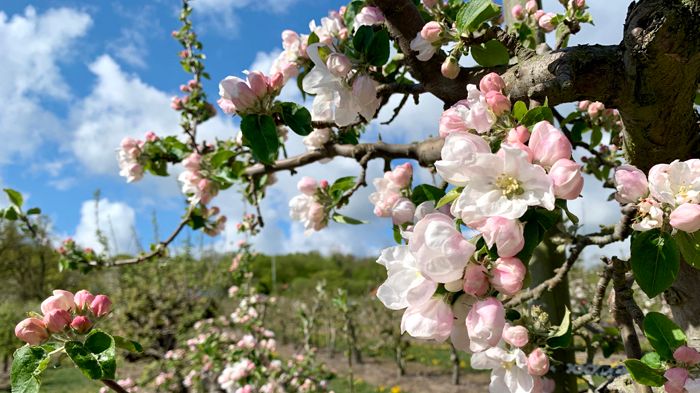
x=652, y=359
x=596, y=136
x=663, y=334
x=655, y=261
x=96, y=358
x=33, y=211
x=221, y=157
x=561, y=203
x=378, y=51
x=519, y=110
x=15, y=197
x=297, y=118
x=351, y=11
x=689, y=245
x=490, y=54
x=27, y=364
x=536, y=115
x=563, y=336
x=474, y=13
x=337, y=217
x=644, y=374
x=341, y=185
x=261, y=134
x=11, y=213
x=449, y=197
x=126, y=344
x=313, y=38
x=362, y=38
x=426, y=192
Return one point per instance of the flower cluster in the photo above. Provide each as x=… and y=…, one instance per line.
x=669, y=196
x=64, y=315
x=599, y=115
x=390, y=198
x=129, y=157
x=254, y=95
x=197, y=187
x=309, y=207
x=678, y=379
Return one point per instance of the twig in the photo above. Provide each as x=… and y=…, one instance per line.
x=361, y=181
x=113, y=385
x=601, y=287
x=397, y=110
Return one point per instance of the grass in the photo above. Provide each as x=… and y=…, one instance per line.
x=342, y=385
x=67, y=380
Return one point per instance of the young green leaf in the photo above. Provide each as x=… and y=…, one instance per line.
x=536, y=115
x=337, y=217
x=490, y=54
x=563, y=336
x=644, y=374
x=426, y=192
x=297, y=118
x=261, y=134
x=663, y=334
x=519, y=110
x=362, y=38
x=378, y=51
x=474, y=13
x=652, y=359
x=655, y=261
x=96, y=358
x=27, y=364
x=689, y=245
x=126, y=344
x=449, y=197
x=341, y=185
x=15, y=197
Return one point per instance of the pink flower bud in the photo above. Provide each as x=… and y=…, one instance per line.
x=538, y=15
x=307, y=185
x=531, y=6
x=83, y=299
x=258, y=83
x=431, y=31
x=81, y=324
x=192, y=84
x=548, y=144
x=507, y=275
x=537, y=363
x=32, y=331
x=401, y=175
x=516, y=336
x=369, y=16
x=324, y=184
x=338, y=64
x=631, y=184
x=476, y=282
x=174, y=33
x=317, y=215
x=402, y=211
x=517, y=12
x=567, y=178
x=595, y=109
x=491, y=82
x=276, y=81
x=687, y=355
x=176, y=103
x=226, y=106
x=518, y=134
x=184, y=88
x=686, y=217
x=583, y=105
x=580, y=3
x=192, y=162
x=57, y=320
x=60, y=300
x=498, y=103
x=450, y=68
x=675, y=380
x=506, y=234
x=545, y=22
x=485, y=323
x=101, y=306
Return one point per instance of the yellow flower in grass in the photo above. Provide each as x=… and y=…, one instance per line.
x=396, y=389
x=435, y=362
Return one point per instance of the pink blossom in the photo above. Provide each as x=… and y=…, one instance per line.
x=498, y=103
x=545, y=21
x=338, y=64
x=459, y=151
x=518, y=134
x=687, y=355
x=567, y=178
x=476, y=282
x=631, y=184
x=538, y=14
x=307, y=185
x=583, y=105
x=192, y=162
x=431, y=31
x=101, y=306
x=516, y=336
x=491, y=82
x=537, y=362
x=548, y=144
x=368, y=16
x=485, y=323
x=675, y=380
x=60, y=300
x=401, y=175
x=470, y=114
x=57, y=320
x=595, y=109
x=151, y=136
x=517, y=12
x=686, y=217
x=430, y=320
x=81, y=324
x=531, y=6
x=402, y=211
x=506, y=234
x=32, y=331
x=507, y=275
x=83, y=298
x=450, y=68
x=176, y=103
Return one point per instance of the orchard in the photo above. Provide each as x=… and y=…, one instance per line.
x=485, y=239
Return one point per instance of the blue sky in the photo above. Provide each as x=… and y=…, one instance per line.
x=78, y=76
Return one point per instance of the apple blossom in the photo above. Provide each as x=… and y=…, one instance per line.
x=531, y=6
x=676, y=378
x=425, y=49
x=516, y=336
x=538, y=15
x=517, y=12
x=82, y=299
x=32, y=331
x=470, y=114
x=331, y=27
x=317, y=138
x=509, y=370
x=129, y=158
x=506, y=234
x=454, y=286
x=491, y=82
x=498, y=103
x=368, y=16
x=546, y=23
x=676, y=183
x=650, y=215
x=687, y=355
x=567, y=178
x=583, y=105
x=312, y=214
x=476, y=281
x=441, y=250
x=405, y=284
x=692, y=385
x=460, y=308
x=518, y=134
x=364, y=91
x=503, y=185
x=548, y=144
x=81, y=324
x=538, y=362
x=507, y=275
x=402, y=211
x=631, y=184
x=450, y=68
x=485, y=323
x=101, y=306
x=401, y=175
x=431, y=31
x=338, y=64
x=686, y=217
x=57, y=320
x=387, y=194
x=595, y=109
x=60, y=300
x=458, y=152
x=430, y=320
x=307, y=185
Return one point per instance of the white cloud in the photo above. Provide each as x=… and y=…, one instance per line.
x=223, y=14
x=116, y=223
x=33, y=45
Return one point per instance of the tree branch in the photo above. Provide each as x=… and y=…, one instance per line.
x=113, y=385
